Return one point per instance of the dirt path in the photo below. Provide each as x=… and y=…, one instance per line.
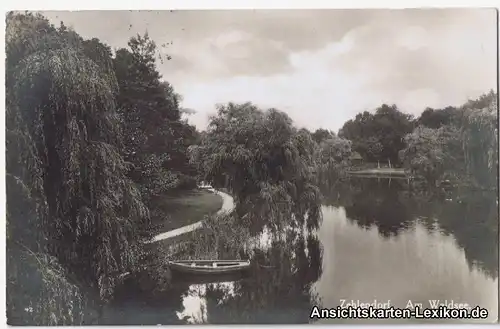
x=227, y=205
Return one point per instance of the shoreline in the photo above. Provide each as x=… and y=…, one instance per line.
x=227, y=205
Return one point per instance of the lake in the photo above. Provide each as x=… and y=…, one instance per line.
x=377, y=243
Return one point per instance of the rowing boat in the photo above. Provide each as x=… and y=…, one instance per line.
x=209, y=266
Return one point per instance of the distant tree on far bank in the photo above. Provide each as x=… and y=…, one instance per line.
x=436, y=118
x=378, y=136
x=427, y=152
x=332, y=160
x=320, y=135
x=466, y=148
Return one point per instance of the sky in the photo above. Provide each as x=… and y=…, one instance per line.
x=321, y=67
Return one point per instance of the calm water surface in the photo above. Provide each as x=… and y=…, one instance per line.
x=376, y=243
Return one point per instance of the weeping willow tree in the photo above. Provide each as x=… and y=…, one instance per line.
x=264, y=162
x=429, y=153
x=479, y=136
x=466, y=150
x=72, y=216
x=332, y=157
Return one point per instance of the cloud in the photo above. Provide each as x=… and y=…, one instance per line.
x=229, y=54
x=456, y=60
x=261, y=39
x=312, y=94
x=319, y=66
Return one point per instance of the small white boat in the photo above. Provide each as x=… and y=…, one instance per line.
x=209, y=266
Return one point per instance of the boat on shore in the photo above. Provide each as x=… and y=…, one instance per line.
x=204, y=186
x=209, y=266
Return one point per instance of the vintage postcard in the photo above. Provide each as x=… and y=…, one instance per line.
x=252, y=166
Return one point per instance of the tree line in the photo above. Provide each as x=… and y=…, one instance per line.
x=455, y=143
x=92, y=140
x=95, y=138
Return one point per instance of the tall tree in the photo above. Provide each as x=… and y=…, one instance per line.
x=432, y=118
x=469, y=141
x=479, y=136
x=427, y=152
x=263, y=160
x=391, y=125
x=72, y=213
x=379, y=136
x=322, y=134
x=155, y=141
x=332, y=159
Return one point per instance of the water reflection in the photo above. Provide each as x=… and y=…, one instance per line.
x=278, y=287
x=135, y=305
x=473, y=222
x=199, y=297
x=377, y=241
x=376, y=202
x=416, y=265
x=471, y=217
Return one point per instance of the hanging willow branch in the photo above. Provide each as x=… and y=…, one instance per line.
x=67, y=103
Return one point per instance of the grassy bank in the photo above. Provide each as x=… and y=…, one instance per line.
x=187, y=208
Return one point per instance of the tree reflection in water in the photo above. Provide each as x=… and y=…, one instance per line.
x=280, y=292
x=134, y=305
x=471, y=217
x=287, y=262
x=473, y=221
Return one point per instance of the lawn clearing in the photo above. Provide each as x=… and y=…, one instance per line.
x=188, y=208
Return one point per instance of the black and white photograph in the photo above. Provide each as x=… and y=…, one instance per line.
x=251, y=166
